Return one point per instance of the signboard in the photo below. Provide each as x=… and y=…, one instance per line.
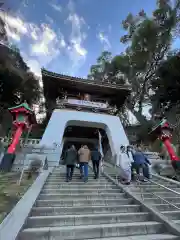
x=87, y=103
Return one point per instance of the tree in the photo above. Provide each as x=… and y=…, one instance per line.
x=3, y=34
x=166, y=86
x=105, y=71
x=99, y=70
x=148, y=41
x=17, y=82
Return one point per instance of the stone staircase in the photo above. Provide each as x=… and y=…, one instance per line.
x=159, y=165
x=94, y=210
x=163, y=199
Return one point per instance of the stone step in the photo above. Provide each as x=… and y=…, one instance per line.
x=63, y=171
x=91, y=231
x=76, y=181
x=81, y=184
x=169, y=185
x=78, y=186
x=143, y=237
x=62, y=177
x=176, y=221
x=162, y=182
x=172, y=200
x=75, y=176
x=166, y=207
x=151, y=185
x=4, y=181
x=61, y=187
x=160, y=189
x=82, y=196
x=161, y=194
x=89, y=190
x=48, y=211
x=76, y=173
x=174, y=215
x=91, y=219
x=52, y=178
x=68, y=203
x=135, y=189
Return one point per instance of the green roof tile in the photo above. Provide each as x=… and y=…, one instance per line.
x=22, y=105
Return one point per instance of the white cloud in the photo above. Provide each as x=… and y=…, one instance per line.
x=35, y=67
x=40, y=48
x=16, y=23
x=34, y=31
x=109, y=28
x=12, y=34
x=62, y=43
x=81, y=51
x=41, y=44
x=57, y=7
x=76, y=51
x=45, y=43
x=71, y=6
x=104, y=40
x=49, y=19
x=15, y=27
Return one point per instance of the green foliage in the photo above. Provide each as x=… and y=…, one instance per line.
x=3, y=35
x=106, y=69
x=99, y=70
x=17, y=82
x=148, y=41
x=167, y=85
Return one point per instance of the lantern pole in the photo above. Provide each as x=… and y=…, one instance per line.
x=15, y=141
x=23, y=118
x=165, y=137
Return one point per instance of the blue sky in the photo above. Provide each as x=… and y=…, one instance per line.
x=66, y=36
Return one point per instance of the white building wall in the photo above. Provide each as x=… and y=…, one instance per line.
x=61, y=118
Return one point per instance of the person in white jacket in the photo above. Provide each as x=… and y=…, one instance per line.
x=125, y=162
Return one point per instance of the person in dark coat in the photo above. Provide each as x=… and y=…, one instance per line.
x=141, y=162
x=96, y=158
x=70, y=160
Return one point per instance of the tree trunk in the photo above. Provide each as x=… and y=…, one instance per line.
x=139, y=116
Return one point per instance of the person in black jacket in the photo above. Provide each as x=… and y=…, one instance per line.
x=96, y=158
x=141, y=163
x=70, y=160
